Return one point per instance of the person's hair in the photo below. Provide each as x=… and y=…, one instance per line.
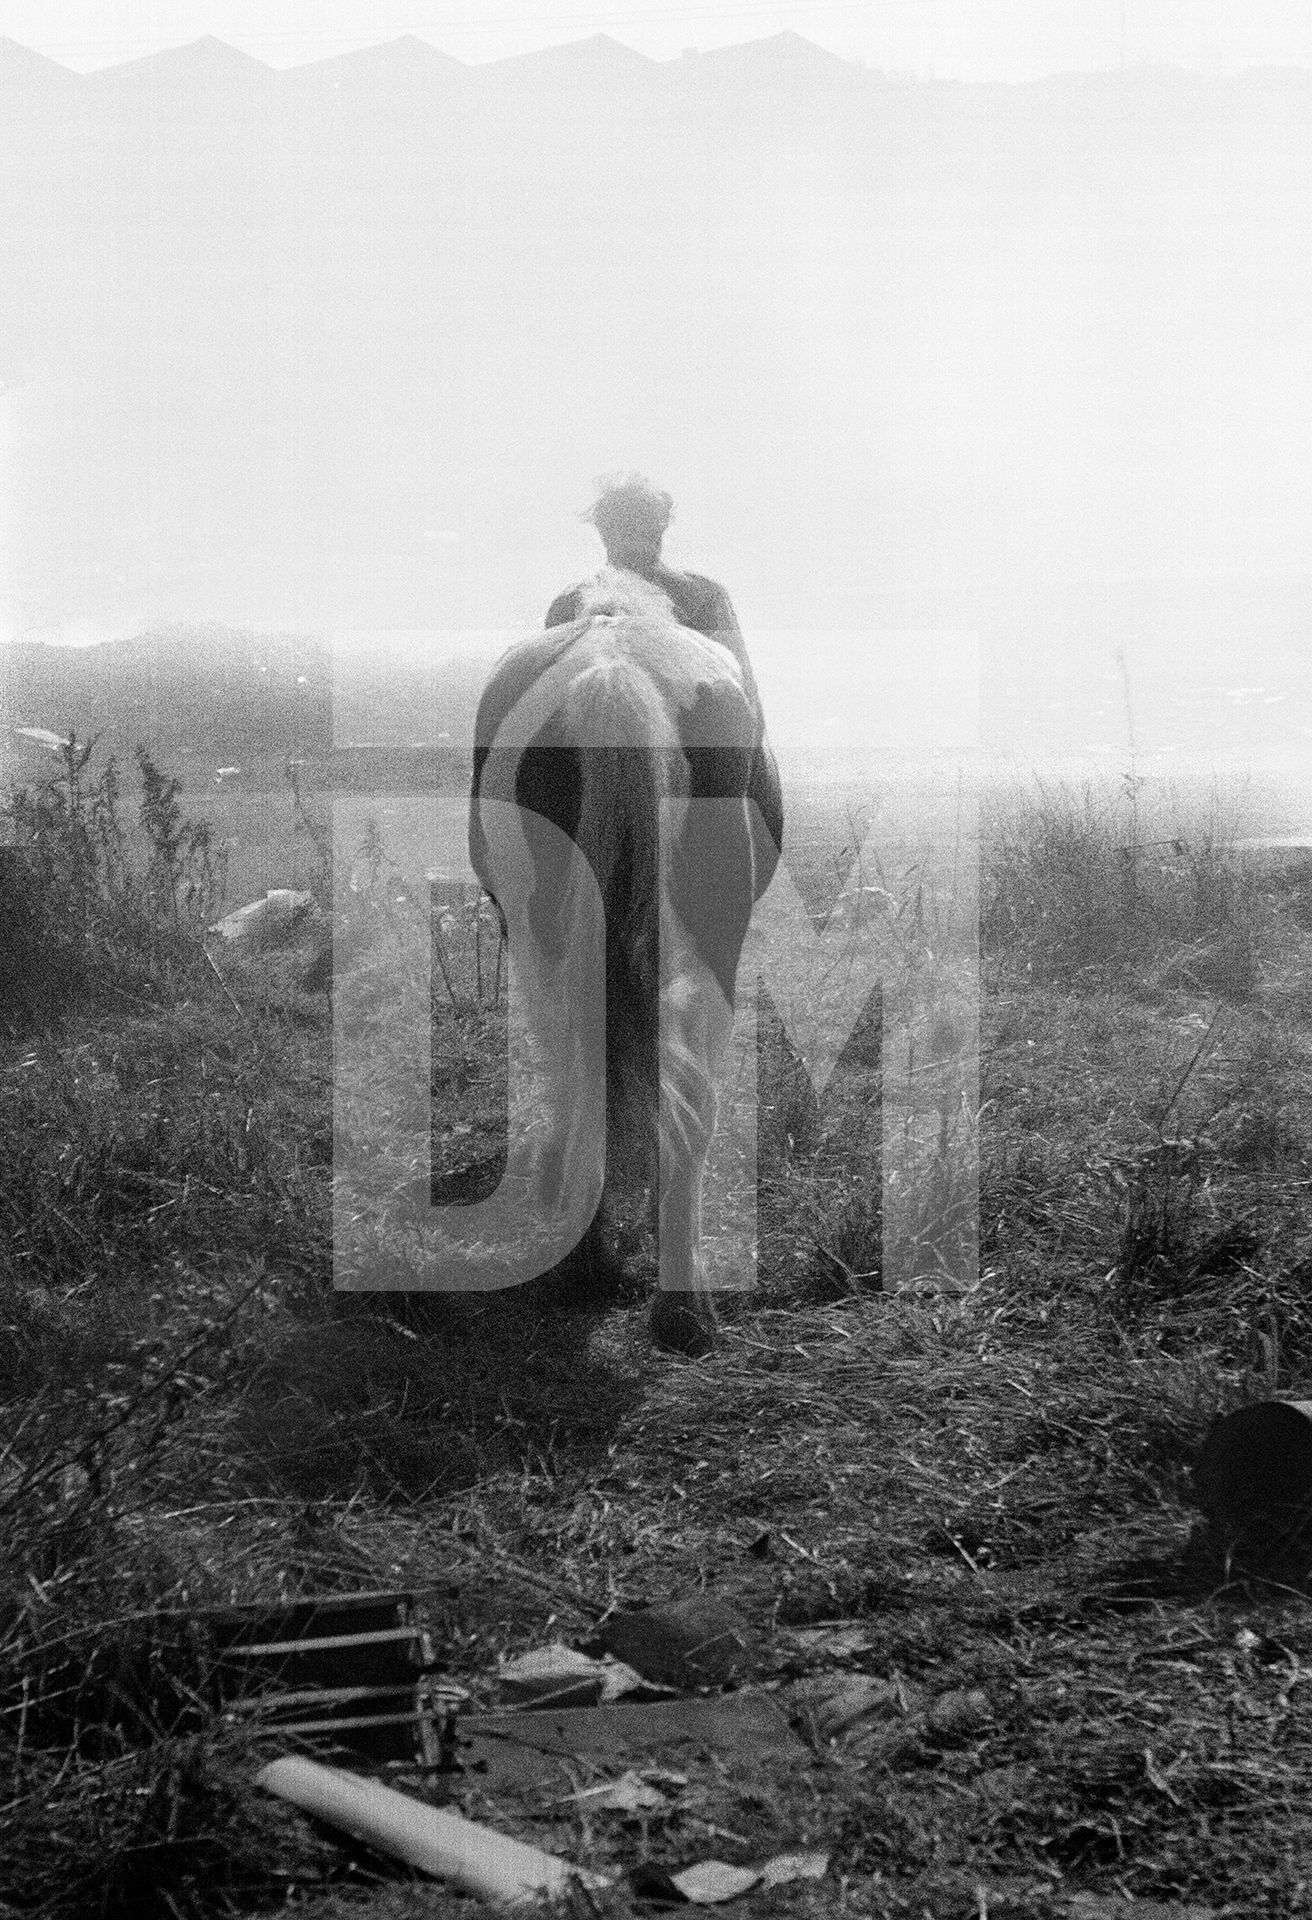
x=629, y=507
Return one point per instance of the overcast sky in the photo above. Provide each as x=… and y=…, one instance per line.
x=1033, y=366
x=953, y=39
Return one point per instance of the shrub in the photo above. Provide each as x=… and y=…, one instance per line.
x=78, y=912
x=1072, y=882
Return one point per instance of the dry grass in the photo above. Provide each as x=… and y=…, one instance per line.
x=993, y=1481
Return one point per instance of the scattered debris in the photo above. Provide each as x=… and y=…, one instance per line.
x=631, y=1793
x=711, y=1882
x=470, y=1856
x=559, y=1676
x=265, y=922
x=358, y=1670
x=864, y=1711
x=699, y=1642
x=554, y=1676
x=839, y=1706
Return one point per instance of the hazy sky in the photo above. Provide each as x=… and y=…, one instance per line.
x=953, y=39
x=1034, y=365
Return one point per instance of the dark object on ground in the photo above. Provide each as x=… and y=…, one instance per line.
x=689, y=1643
x=1253, y=1480
x=348, y=1672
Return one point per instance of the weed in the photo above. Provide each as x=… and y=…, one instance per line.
x=1072, y=887
x=185, y=875
x=317, y=834
x=84, y=916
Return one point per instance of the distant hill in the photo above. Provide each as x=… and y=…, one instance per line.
x=202, y=697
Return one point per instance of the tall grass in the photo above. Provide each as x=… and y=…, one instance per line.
x=90, y=901
x=1072, y=881
x=162, y=1176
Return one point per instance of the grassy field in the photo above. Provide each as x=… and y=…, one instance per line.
x=1091, y=1709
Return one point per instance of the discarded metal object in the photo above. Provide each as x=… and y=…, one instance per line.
x=515, y=1752
x=264, y=922
x=1253, y=1479
x=699, y=1642
x=475, y=1858
x=348, y=1671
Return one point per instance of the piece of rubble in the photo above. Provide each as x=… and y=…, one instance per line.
x=265, y=922
x=560, y=1676
x=554, y=1676
x=698, y=1642
x=711, y=1882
